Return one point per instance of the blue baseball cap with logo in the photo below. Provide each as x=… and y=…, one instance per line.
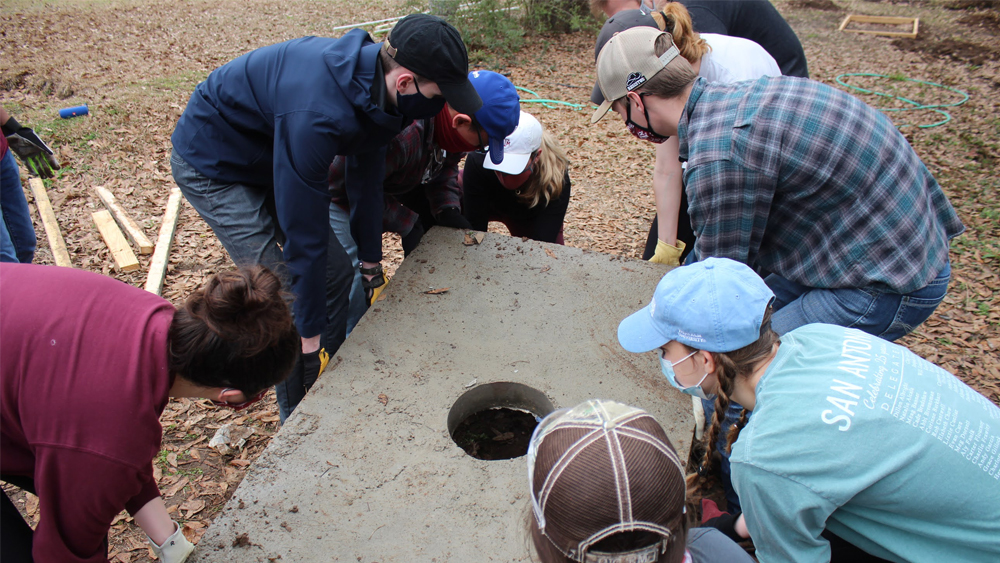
x=501, y=108
x=716, y=305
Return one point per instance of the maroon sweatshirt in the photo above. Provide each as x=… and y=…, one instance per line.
x=85, y=379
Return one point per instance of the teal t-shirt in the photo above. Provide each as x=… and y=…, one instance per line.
x=861, y=436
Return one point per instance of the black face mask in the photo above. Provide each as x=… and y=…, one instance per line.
x=417, y=106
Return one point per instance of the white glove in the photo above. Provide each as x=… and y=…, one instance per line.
x=699, y=417
x=175, y=549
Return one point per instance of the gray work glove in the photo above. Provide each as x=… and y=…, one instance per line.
x=32, y=151
x=175, y=549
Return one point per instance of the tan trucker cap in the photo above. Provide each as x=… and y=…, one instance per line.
x=627, y=61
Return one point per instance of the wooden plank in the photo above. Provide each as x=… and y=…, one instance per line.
x=124, y=257
x=887, y=20
x=48, y=216
x=158, y=267
x=843, y=24
x=131, y=228
x=882, y=19
x=883, y=33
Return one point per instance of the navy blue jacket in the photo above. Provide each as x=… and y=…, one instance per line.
x=275, y=118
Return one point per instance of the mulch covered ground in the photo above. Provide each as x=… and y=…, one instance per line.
x=136, y=62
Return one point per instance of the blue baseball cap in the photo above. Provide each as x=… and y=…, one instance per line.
x=715, y=305
x=501, y=108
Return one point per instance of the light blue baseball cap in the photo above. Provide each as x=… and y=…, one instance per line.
x=715, y=305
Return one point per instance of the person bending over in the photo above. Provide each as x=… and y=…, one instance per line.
x=858, y=450
x=88, y=364
x=756, y=20
x=717, y=58
x=421, y=185
x=804, y=183
x=252, y=149
x=798, y=180
x=528, y=191
x=607, y=485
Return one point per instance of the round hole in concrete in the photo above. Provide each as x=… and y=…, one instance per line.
x=495, y=420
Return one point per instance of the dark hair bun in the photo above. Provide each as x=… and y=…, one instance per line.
x=242, y=305
x=239, y=321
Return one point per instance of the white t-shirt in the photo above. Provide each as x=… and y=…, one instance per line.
x=733, y=59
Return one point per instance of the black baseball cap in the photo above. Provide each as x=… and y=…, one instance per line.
x=433, y=48
x=626, y=19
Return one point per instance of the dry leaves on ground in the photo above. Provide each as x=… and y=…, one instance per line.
x=136, y=68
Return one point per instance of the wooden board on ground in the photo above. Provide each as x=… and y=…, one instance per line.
x=131, y=228
x=884, y=20
x=124, y=257
x=48, y=216
x=158, y=267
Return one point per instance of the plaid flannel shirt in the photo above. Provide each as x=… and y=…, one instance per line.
x=412, y=159
x=800, y=179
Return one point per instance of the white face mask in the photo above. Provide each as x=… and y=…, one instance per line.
x=696, y=389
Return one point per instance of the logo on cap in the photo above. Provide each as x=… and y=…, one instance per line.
x=691, y=337
x=634, y=80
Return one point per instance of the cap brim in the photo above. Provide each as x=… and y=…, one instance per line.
x=510, y=164
x=462, y=97
x=596, y=96
x=637, y=333
x=605, y=106
x=496, y=150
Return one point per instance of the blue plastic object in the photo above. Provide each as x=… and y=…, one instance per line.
x=77, y=111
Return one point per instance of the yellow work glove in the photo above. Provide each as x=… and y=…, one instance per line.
x=313, y=365
x=375, y=286
x=668, y=255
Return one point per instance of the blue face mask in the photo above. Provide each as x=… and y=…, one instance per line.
x=418, y=106
x=696, y=389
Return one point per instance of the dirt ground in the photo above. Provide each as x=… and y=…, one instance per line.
x=136, y=62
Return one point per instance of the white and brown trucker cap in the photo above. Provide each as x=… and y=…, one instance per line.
x=627, y=61
x=603, y=468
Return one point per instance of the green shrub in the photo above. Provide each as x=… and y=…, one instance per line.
x=494, y=30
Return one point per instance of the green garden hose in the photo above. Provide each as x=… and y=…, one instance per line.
x=546, y=102
x=917, y=105
x=551, y=104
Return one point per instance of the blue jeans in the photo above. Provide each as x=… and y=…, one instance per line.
x=244, y=220
x=17, y=233
x=340, y=222
x=886, y=315
x=883, y=314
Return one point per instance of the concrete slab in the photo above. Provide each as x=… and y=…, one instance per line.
x=349, y=478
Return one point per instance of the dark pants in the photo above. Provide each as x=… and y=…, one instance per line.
x=15, y=533
x=244, y=220
x=684, y=232
x=416, y=201
x=843, y=552
x=16, y=536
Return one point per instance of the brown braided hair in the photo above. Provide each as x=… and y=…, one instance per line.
x=729, y=367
